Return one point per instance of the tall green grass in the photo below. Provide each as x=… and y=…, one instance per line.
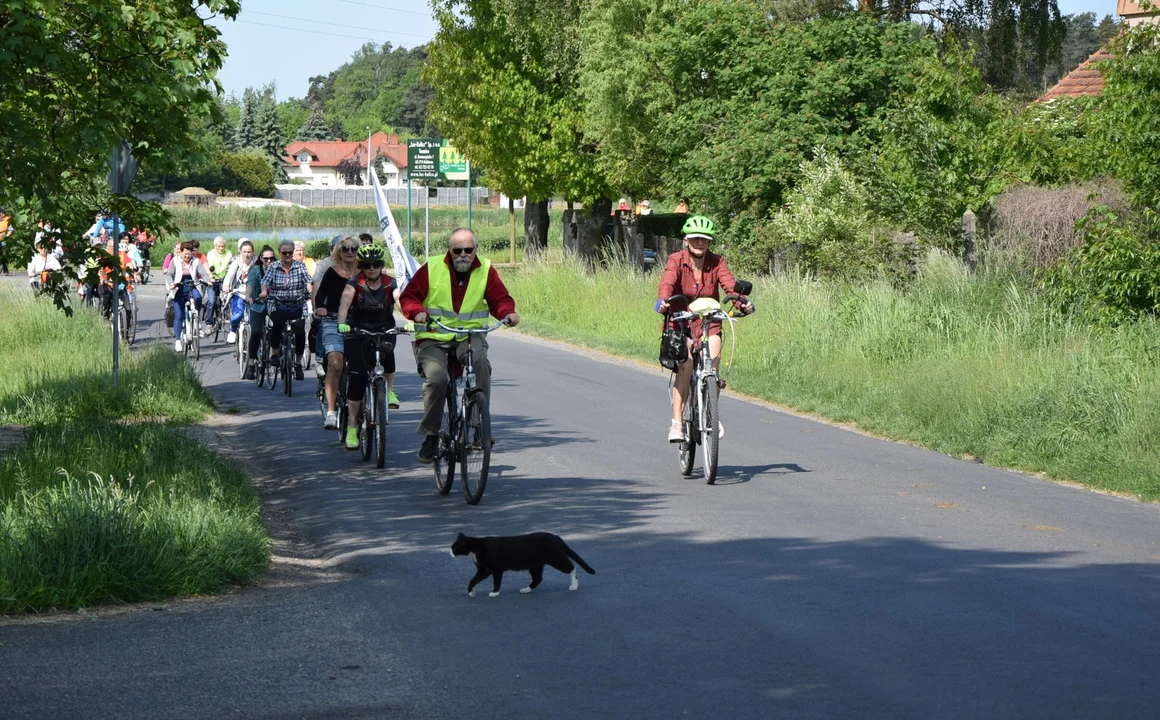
x=965, y=365
x=363, y=217
x=104, y=512
x=97, y=505
x=59, y=369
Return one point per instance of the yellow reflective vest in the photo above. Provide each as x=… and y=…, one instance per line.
x=473, y=311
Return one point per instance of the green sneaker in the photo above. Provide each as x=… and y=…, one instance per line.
x=351, y=438
x=392, y=400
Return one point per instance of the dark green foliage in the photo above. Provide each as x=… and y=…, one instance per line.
x=315, y=127
x=318, y=249
x=1115, y=275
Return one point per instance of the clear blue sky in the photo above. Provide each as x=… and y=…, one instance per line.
x=288, y=41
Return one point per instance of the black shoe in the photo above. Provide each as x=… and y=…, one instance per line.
x=249, y=373
x=298, y=373
x=427, y=451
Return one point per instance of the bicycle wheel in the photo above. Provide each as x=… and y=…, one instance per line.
x=710, y=437
x=132, y=318
x=687, y=448
x=242, y=348
x=366, y=436
x=320, y=393
x=288, y=363
x=272, y=367
x=445, y=454
x=185, y=337
x=380, y=413
x=475, y=448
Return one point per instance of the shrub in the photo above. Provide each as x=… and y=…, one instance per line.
x=1114, y=276
x=1034, y=228
x=249, y=173
x=318, y=249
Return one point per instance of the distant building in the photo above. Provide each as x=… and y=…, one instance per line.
x=1086, y=79
x=316, y=162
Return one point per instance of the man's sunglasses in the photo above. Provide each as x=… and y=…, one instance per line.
x=371, y=266
x=462, y=251
x=284, y=253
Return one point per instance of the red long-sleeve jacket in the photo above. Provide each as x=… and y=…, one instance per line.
x=499, y=301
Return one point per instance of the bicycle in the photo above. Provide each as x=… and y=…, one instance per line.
x=263, y=368
x=190, y=337
x=465, y=433
x=372, y=427
x=701, y=417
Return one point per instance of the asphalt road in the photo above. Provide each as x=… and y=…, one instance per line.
x=829, y=575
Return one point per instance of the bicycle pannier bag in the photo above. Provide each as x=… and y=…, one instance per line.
x=673, y=348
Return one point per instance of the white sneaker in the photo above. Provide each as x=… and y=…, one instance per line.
x=201, y=332
x=331, y=420
x=720, y=429
x=320, y=369
x=177, y=346
x=676, y=432
x=231, y=337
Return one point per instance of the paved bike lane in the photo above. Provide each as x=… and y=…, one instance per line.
x=830, y=575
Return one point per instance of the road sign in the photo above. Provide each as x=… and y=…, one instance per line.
x=422, y=159
x=452, y=163
x=122, y=169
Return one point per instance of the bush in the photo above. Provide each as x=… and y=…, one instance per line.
x=1114, y=276
x=249, y=173
x=318, y=249
x=826, y=222
x=1034, y=228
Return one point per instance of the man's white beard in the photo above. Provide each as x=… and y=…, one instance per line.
x=462, y=264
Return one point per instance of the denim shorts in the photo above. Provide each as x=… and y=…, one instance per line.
x=331, y=339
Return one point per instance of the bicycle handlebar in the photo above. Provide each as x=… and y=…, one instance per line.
x=466, y=331
x=374, y=333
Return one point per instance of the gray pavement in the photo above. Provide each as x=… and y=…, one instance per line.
x=829, y=575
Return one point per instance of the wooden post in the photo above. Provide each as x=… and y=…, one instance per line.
x=970, y=222
x=512, y=216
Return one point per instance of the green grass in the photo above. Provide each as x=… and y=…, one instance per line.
x=105, y=512
x=362, y=218
x=964, y=365
x=99, y=504
x=59, y=369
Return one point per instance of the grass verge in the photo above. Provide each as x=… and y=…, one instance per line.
x=102, y=502
x=961, y=364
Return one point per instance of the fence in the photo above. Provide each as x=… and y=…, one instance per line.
x=396, y=197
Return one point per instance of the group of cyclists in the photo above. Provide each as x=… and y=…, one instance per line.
x=350, y=291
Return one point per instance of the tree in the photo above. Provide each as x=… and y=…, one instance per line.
x=245, y=133
x=80, y=76
x=315, y=127
x=1130, y=106
x=505, y=77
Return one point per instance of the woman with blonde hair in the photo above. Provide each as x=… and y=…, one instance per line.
x=344, y=264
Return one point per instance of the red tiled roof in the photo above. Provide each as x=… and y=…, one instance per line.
x=330, y=153
x=1084, y=80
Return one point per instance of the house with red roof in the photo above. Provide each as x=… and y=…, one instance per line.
x=317, y=162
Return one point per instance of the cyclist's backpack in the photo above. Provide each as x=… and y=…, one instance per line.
x=674, y=349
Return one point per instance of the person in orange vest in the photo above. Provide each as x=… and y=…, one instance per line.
x=106, y=289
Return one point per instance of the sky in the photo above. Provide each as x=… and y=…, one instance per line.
x=289, y=41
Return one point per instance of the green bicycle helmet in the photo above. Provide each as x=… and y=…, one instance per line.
x=699, y=225
x=370, y=253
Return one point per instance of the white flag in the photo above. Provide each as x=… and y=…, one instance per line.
x=405, y=265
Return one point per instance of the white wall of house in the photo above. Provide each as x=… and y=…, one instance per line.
x=315, y=176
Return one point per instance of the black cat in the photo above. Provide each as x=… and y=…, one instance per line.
x=495, y=555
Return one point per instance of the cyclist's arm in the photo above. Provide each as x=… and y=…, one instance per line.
x=411, y=299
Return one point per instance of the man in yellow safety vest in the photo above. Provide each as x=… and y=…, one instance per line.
x=462, y=290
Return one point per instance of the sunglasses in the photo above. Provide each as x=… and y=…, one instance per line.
x=462, y=251
x=284, y=253
x=371, y=266
x=349, y=249
x=267, y=258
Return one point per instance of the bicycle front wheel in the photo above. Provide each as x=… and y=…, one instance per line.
x=687, y=448
x=445, y=454
x=366, y=436
x=132, y=321
x=195, y=336
x=475, y=447
x=380, y=421
x=710, y=436
x=321, y=393
x=288, y=363
x=242, y=348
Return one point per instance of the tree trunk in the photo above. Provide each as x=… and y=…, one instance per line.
x=591, y=229
x=536, y=223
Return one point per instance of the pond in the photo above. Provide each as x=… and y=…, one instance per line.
x=283, y=233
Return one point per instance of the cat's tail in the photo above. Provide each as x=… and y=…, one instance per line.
x=579, y=560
